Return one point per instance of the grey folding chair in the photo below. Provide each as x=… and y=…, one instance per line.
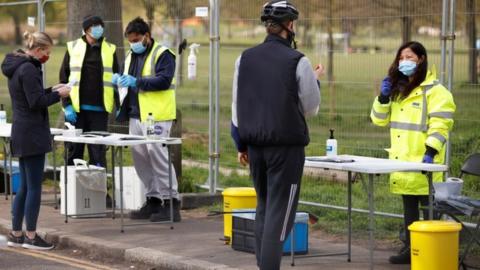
x=465, y=206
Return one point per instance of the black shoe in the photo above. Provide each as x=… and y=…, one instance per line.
x=151, y=206
x=14, y=241
x=164, y=214
x=36, y=243
x=403, y=257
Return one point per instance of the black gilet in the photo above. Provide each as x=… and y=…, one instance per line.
x=267, y=98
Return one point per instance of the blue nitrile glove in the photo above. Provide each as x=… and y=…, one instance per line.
x=427, y=159
x=386, y=87
x=127, y=81
x=70, y=114
x=115, y=78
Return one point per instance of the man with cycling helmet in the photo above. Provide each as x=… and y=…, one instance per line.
x=274, y=88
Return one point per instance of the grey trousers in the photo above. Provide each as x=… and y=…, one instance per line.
x=151, y=162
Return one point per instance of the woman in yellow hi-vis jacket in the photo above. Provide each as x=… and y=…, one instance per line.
x=419, y=111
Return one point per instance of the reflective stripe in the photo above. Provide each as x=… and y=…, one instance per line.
x=438, y=136
x=108, y=84
x=108, y=69
x=408, y=126
x=379, y=115
x=448, y=115
x=75, y=69
x=154, y=58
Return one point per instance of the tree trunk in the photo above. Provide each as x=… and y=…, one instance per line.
x=471, y=36
x=18, y=34
x=330, y=60
x=150, y=10
x=406, y=22
x=109, y=10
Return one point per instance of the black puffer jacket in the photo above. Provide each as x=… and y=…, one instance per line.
x=30, y=124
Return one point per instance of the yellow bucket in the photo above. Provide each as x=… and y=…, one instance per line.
x=434, y=245
x=236, y=198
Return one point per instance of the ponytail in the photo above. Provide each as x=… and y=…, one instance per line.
x=36, y=40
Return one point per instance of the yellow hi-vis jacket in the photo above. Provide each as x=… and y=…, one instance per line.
x=76, y=50
x=161, y=102
x=423, y=118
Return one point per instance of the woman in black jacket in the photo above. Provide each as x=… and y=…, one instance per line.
x=30, y=139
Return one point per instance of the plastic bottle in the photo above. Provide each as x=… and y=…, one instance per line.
x=192, y=62
x=150, y=125
x=3, y=115
x=331, y=145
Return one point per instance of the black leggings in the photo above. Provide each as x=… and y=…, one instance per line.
x=411, y=211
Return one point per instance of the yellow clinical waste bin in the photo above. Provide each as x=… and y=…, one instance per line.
x=434, y=245
x=236, y=198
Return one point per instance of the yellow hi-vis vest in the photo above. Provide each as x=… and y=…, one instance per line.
x=76, y=50
x=424, y=117
x=161, y=103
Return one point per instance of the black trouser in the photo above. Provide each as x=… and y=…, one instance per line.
x=277, y=173
x=411, y=211
x=89, y=121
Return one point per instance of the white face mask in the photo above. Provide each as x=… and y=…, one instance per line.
x=407, y=67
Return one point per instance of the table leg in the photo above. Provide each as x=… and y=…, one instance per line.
x=371, y=224
x=430, y=196
x=10, y=167
x=170, y=184
x=349, y=216
x=65, y=189
x=292, y=243
x=120, y=168
x=5, y=170
x=54, y=149
x=113, y=182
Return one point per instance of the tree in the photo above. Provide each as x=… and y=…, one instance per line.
x=19, y=14
x=109, y=10
x=471, y=31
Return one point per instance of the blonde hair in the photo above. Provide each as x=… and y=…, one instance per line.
x=36, y=40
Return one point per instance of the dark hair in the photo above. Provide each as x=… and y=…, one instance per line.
x=90, y=20
x=400, y=83
x=137, y=25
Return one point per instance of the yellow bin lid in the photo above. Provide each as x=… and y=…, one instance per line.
x=435, y=226
x=239, y=191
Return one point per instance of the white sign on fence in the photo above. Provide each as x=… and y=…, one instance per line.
x=201, y=11
x=31, y=21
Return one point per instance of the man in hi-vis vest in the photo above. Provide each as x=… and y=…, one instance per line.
x=149, y=75
x=89, y=64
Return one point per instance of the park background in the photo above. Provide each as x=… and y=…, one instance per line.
x=356, y=40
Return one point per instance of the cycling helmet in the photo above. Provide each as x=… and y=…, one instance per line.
x=279, y=11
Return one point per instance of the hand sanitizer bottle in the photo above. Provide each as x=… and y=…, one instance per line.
x=331, y=145
x=3, y=115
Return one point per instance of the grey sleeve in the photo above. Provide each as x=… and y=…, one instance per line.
x=234, y=92
x=308, y=88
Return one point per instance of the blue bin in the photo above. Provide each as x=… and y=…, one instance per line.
x=301, y=235
x=16, y=179
x=243, y=236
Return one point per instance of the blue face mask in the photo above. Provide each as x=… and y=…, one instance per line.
x=138, y=47
x=96, y=32
x=407, y=67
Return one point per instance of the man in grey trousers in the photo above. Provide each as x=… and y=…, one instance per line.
x=274, y=88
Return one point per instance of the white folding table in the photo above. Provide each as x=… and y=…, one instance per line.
x=372, y=167
x=117, y=141
x=6, y=134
